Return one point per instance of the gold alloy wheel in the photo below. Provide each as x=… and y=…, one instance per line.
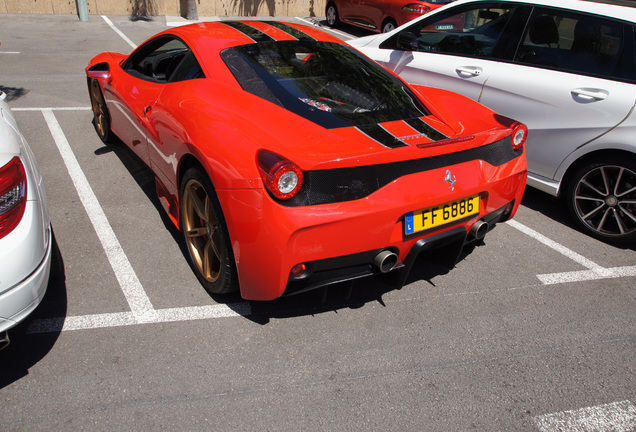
x=100, y=113
x=201, y=228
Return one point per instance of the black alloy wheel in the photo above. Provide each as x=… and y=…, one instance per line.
x=602, y=199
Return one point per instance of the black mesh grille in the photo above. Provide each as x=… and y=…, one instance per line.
x=348, y=184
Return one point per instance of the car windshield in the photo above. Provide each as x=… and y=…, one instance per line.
x=327, y=83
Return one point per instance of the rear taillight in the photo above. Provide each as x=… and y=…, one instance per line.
x=416, y=7
x=282, y=178
x=519, y=135
x=13, y=191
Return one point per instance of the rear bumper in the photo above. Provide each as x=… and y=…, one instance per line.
x=338, y=242
x=443, y=248
x=20, y=300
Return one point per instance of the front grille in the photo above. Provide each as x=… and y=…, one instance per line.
x=348, y=184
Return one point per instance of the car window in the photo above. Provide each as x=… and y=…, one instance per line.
x=573, y=42
x=165, y=59
x=330, y=84
x=472, y=30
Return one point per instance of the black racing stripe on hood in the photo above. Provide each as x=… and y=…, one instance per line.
x=426, y=129
x=381, y=135
x=292, y=31
x=253, y=33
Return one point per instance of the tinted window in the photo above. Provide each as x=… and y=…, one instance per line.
x=474, y=31
x=327, y=83
x=573, y=42
x=165, y=59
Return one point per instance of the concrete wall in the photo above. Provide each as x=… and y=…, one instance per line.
x=205, y=8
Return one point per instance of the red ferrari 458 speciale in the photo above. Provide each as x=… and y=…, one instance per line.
x=291, y=162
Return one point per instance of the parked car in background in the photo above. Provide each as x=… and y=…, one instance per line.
x=378, y=15
x=25, y=229
x=287, y=170
x=566, y=68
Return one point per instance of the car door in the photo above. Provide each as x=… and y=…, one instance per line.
x=350, y=9
x=455, y=50
x=148, y=70
x=127, y=98
x=134, y=92
x=372, y=11
x=569, y=83
x=166, y=130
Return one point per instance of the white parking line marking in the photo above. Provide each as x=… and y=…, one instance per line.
x=119, y=32
x=594, y=272
x=615, y=417
x=142, y=311
x=120, y=319
x=554, y=245
x=133, y=291
x=587, y=275
x=53, y=109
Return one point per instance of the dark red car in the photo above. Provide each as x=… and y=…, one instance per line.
x=378, y=15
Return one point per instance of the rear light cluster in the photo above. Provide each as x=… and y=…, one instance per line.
x=12, y=195
x=519, y=135
x=282, y=178
x=416, y=7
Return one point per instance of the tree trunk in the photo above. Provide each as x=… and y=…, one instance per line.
x=191, y=10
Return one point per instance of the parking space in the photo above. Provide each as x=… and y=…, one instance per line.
x=531, y=331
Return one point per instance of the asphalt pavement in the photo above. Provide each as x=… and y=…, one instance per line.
x=533, y=331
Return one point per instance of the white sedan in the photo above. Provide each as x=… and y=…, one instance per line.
x=25, y=228
x=565, y=68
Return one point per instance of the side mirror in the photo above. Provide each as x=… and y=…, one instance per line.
x=407, y=41
x=99, y=71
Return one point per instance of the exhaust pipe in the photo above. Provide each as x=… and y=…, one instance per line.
x=4, y=340
x=479, y=230
x=385, y=261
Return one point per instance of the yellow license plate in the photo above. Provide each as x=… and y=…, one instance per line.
x=433, y=217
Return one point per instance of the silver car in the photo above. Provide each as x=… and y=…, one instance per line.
x=565, y=68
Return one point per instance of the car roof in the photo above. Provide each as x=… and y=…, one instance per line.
x=619, y=9
x=215, y=36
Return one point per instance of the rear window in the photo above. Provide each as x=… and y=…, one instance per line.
x=327, y=83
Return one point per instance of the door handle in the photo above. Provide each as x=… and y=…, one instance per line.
x=147, y=110
x=469, y=71
x=590, y=94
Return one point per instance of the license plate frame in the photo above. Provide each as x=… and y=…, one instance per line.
x=428, y=218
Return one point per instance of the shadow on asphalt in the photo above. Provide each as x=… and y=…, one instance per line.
x=26, y=350
x=13, y=93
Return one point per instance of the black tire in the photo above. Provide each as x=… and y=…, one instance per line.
x=601, y=197
x=206, y=234
x=331, y=13
x=101, y=116
x=388, y=25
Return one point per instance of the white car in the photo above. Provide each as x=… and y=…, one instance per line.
x=565, y=68
x=25, y=228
